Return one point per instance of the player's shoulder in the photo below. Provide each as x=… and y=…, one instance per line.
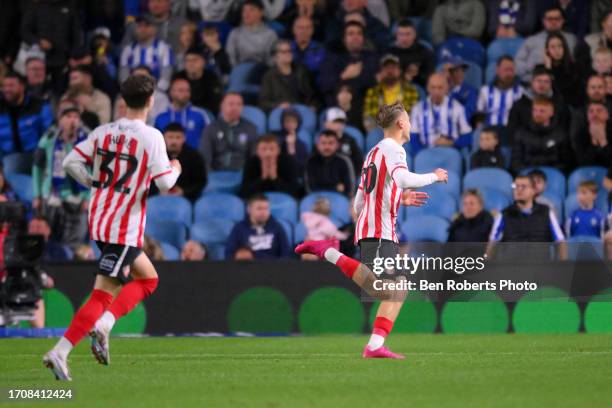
x=389, y=147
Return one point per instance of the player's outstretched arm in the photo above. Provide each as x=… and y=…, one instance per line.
x=75, y=165
x=405, y=179
x=166, y=180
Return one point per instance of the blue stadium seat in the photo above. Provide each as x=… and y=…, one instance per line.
x=256, y=116
x=473, y=74
x=170, y=208
x=223, y=182
x=305, y=137
x=287, y=227
x=214, y=234
x=489, y=177
x=440, y=203
x=424, y=28
x=18, y=163
x=490, y=72
x=309, y=119
x=223, y=206
x=557, y=201
x=556, y=181
x=503, y=46
x=494, y=199
x=453, y=187
x=339, y=204
x=466, y=48
x=584, y=248
x=246, y=77
x=594, y=173
x=278, y=27
x=571, y=203
x=22, y=185
x=429, y=159
x=372, y=138
x=172, y=232
x=171, y=253
x=283, y=206
x=420, y=91
x=299, y=233
x=429, y=228
x=355, y=134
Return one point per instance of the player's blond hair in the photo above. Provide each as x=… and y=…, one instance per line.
x=388, y=114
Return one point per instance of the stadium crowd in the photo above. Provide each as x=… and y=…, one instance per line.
x=270, y=106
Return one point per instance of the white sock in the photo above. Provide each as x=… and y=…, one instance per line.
x=332, y=255
x=63, y=347
x=107, y=321
x=376, y=341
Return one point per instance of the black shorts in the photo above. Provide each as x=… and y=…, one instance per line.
x=371, y=248
x=115, y=259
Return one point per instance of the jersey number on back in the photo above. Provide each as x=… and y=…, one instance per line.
x=107, y=173
x=370, y=173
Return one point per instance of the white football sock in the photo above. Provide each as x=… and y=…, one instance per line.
x=332, y=255
x=107, y=321
x=376, y=341
x=63, y=347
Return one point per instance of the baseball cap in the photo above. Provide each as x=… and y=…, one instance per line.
x=146, y=19
x=456, y=62
x=334, y=114
x=102, y=32
x=389, y=59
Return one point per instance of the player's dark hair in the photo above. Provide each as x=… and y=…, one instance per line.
x=505, y=58
x=174, y=127
x=15, y=75
x=537, y=174
x=136, y=91
x=388, y=114
x=257, y=197
x=405, y=23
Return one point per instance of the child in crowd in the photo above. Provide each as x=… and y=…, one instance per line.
x=318, y=224
x=586, y=220
x=489, y=153
x=290, y=144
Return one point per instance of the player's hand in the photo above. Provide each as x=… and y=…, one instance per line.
x=176, y=165
x=442, y=175
x=414, y=198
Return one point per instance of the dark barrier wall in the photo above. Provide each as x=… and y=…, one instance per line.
x=314, y=297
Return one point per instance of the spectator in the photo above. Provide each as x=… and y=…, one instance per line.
x=345, y=100
x=306, y=50
x=290, y=144
x=103, y=68
x=214, y=53
x=269, y=170
x=147, y=49
x=602, y=62
x=374, y=29
x=23, y=118
x=6, y=191
x=596, y=91
x=160, y=100
x=81, y=82
x=558, y=60
x=90, y=119
x=194, y=120
x=543, y=142
x=496, y=99
x=335, y=120
x=54, y=251
x=462, y=18
x=104, y=58
x=355, y=66
x=259, y=232
x=187, y=40
x=586, y=220
x=438, y=120
x=212, y=10
x=193, y=178
x=167, y=26
x=416, y=60
x=326, y=169
x=206, y=86
x=526, y=221
x=576, y=14
x=37, y=80
x=252, y=41
x=54, y=26
x=510, y=18
x=489, y=153
x=152, y=248
x=390, y=89
x=311, y=11
x=318, y=224
x=540, y=87
x=592, y=144
x=286, y=82
x=585, y=51
x=244, y=254
x=461, y=91
x=62, y=200
x=474, y=222
x=193, y=251
x=540, y=181
x=532, y=51
x=228, y=141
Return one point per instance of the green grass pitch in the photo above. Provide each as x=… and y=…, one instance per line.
x=440, y=370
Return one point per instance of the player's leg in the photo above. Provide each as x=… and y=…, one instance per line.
x=101, y=297
x=143, y=285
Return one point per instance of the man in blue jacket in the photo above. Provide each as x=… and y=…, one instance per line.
x=259, y=231
x=23, y=118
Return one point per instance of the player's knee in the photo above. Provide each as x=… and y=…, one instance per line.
x=149, y=285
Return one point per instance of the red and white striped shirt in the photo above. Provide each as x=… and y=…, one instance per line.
x=125, y=156
x=384, y=177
